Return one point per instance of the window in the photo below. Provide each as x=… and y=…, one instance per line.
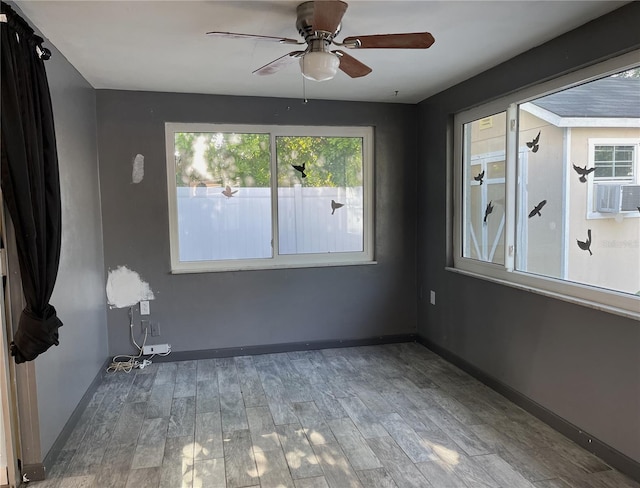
x=548, y=192
x=246, y=197
x=613, y=162
x=614, y=190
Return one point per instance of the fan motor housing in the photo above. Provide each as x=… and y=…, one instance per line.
x=304, y=23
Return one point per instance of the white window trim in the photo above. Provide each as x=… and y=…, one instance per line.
x=277, y=261
x=591, y=180
x=590, y=296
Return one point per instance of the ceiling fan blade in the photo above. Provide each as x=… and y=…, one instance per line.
x=278, y=64
x=351, y=65
x=327, y=14
x=417, y=40
x=235, y=35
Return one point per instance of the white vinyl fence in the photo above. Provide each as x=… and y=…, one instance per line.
x=214, y=227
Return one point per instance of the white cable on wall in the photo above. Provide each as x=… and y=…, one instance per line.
x=131, y=362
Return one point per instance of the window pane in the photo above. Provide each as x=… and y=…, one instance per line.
x=571, y=225
x=603, y=153
x=223, y=196
x=603, y=171
x=320, y=194
x=540, y=245
x=484, y=188
x=624, y=153
x=624, y=171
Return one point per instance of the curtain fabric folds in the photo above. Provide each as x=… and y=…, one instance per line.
x=30, y=181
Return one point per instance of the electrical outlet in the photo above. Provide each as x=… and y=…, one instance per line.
x=144, y=307
x=155, y=329
x=433, y=297
x=156, y=349
x=144, y=325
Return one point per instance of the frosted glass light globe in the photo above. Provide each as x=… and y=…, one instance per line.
x=319, y=65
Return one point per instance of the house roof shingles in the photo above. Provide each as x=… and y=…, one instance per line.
x=612, y=97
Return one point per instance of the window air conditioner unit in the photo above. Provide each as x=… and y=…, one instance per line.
x=617, y=198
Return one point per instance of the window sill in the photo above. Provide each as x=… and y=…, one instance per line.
x=619, y=217
x=552, y=294
x=203, y=269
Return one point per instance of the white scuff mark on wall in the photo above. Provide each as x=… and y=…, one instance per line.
x=138, y=169
x=125, y=288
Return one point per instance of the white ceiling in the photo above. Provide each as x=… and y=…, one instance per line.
x=162, y=46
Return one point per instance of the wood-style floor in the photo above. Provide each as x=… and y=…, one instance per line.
x=377, y=416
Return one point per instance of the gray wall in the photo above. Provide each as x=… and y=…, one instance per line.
x=582, y=364
x=64, y=373
x=234, y=309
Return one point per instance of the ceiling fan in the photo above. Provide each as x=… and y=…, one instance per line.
x=319, y=22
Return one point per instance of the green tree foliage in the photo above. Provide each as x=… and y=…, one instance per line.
x=244, y=160
x=222, y=159
x=329, y=161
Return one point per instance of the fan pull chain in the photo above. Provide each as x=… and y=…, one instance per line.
x=304, y=92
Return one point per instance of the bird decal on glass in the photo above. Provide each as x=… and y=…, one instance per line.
x=335, y=205
x=227, y=192
x=533, y=145
x=586, y=245
x=583, y=172
x=487, y=211
x=537, y=208
x=300, y=169
x=479, y=177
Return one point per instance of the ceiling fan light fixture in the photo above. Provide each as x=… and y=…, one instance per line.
x=319, y=65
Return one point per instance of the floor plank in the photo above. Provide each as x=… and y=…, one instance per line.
x=183, y=417
x=239, y=460
x=301, y=458
x=263, y=431
x=502, y=472
x=209, y=473
x=337, y=470
x=250, y=384
x=362, y=417
x=273, y=469
x=208, y=442
x=354, y=445
x=441, y=475
x=407, y=439
x=314, y=425
x=318, y=482
x=376, y=478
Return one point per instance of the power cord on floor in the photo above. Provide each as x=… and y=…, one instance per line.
x=131, y=362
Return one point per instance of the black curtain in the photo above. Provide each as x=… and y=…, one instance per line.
x=30, y=181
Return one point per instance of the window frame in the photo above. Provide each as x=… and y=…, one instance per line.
x=302, y=260
x=587, y=295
